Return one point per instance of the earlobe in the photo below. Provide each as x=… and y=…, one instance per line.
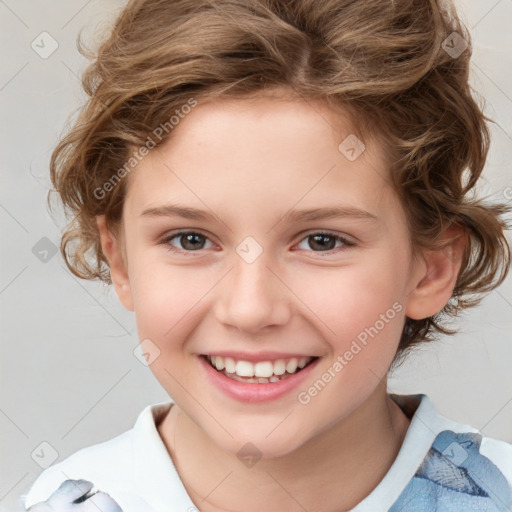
x=111, y=247
x=434, y=286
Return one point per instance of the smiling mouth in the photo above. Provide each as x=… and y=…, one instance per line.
x=262, y=372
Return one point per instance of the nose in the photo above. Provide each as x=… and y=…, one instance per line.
x=252, y=297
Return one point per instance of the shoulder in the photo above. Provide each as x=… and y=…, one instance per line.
x=500, y=452
x=110, y=465
x=461, y=471
x=464, y=445
x=460, y=468
x=106, y=464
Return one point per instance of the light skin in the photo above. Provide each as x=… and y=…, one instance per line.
x=250, y=163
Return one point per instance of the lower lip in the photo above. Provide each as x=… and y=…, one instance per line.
x=255, y=392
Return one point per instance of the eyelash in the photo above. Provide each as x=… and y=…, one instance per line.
x=347, y=243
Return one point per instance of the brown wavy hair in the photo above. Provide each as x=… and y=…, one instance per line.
x=385, y=62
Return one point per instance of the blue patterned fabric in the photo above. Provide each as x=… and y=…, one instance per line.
x=456, y=477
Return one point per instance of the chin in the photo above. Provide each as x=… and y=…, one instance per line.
x=261, y=442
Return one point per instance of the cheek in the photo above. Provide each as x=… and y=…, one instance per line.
x=347, y=300
x=167, y=300
x=362, y=317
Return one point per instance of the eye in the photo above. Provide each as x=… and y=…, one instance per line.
x=325, y=241
x=193, y=241
x=190, y=241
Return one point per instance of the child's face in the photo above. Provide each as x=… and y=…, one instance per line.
x=249, y=165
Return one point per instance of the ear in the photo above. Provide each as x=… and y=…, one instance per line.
x=113, y=251
x=438, y=276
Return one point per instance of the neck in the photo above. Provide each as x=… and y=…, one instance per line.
x=333, y=471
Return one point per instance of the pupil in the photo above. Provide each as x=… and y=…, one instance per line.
x=316, y=239
x=189, y=238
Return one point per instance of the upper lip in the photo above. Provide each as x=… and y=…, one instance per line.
x=258, y=356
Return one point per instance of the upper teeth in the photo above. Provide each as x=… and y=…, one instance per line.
x=259, y=369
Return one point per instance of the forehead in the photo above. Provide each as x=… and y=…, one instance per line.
x=261, y=153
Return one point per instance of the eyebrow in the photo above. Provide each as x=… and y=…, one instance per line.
x=310, y=214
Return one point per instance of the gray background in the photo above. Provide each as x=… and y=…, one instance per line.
x=69, y=376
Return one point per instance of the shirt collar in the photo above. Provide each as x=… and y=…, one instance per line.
x=159, y=481
x=426, y=424
x=161, y=485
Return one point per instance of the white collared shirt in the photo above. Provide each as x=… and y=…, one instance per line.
x=441, y=464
